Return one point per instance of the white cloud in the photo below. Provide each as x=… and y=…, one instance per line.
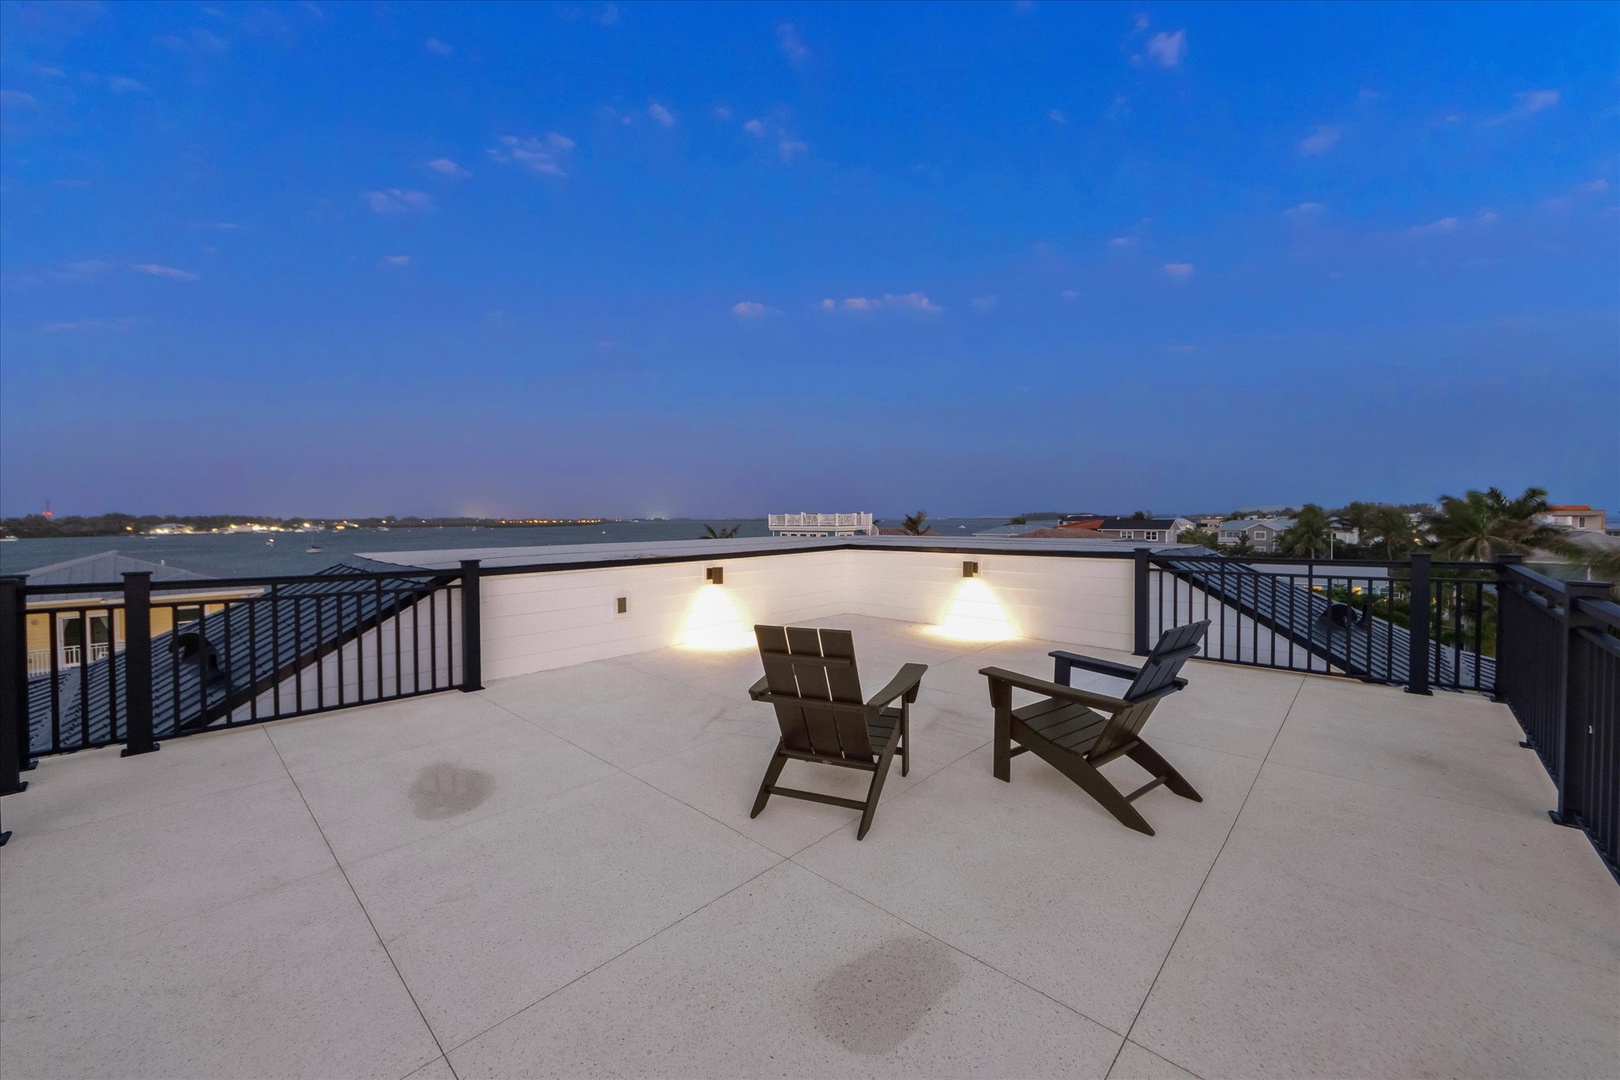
x=163, y=271
x=79, y=270
x=749, y=309
x=1142, y=20
x=1056, y=116
x=982, y=303
x=661, y=114
x=1526, y=104
x=1591, y=187
x=447, y=167
x=1166, y=50
x=1070, y=294
x=434, y=45
x=792, y=46
x=16, y=99
x=607, y=16
x=395, y=260
x=397, y=201
x=722, y=112
x=1304, y=211
x=1487, y=217
x=1435, y=228
x=548, y=156
x=119, y=84
x=1179, y=271
x=791, y=148
x=1320, y=140
x=1183, y=350
x=915, y=301
x=1123, y=242
x=755, y=127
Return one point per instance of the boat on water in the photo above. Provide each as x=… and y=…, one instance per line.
x=7, y=537
x=272, y=540
x=312, y=550
x=382, y=528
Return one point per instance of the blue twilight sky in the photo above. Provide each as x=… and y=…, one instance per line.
x=586, y=258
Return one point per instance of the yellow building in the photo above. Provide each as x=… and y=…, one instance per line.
x=81, y=626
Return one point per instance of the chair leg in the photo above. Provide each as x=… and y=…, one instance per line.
x=1001, y=760
x=905, y=737
x=1149, y=758
x=1096, y=785
x=772, y=773
x=875, y=791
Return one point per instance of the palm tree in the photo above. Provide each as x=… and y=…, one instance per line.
x=1484, y=524
x=1309, y=535
x=1390, y=527
x=711, y=533
x=915, y=524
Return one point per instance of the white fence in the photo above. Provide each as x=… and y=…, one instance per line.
x=821, y=524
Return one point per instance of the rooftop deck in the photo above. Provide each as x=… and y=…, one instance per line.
x=558, y=876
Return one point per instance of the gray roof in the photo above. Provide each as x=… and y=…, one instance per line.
x=1114, y=524
x=109, y=566
x=257, y=642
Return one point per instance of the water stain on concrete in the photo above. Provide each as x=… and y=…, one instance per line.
x=444, y=790
x=872, y=1003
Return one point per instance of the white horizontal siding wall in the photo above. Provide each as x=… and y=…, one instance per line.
x=534, y=622
x=1078, y=601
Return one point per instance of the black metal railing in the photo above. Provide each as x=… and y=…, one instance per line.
x=1416, y=623
x=1560, y=674
x=138, y=661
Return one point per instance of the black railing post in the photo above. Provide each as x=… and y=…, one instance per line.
x=138, y=736
x=1573, y=738
x=1504, y=574
x=1142, y=648
x=15, y=750
x=1417, y=653
x=472, y=645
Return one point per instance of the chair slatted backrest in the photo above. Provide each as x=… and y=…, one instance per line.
x=811, y=666
x=1159, y=670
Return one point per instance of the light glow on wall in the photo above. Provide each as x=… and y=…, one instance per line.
x=715, y=623
x=975, y=614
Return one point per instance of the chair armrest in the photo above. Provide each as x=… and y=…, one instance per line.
x=758, y=689
x=907, y=681
x=1055, y=690
x=1091, y=663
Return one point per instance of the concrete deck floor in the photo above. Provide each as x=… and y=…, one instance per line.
x=558, y=876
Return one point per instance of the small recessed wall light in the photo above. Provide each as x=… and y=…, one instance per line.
x=716, y=575
x=622, y=605
x=970, y=569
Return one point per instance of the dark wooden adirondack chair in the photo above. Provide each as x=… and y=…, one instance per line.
x=810, y=677
x=1079, y=731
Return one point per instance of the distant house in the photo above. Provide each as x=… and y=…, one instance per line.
x=821, y=524
x=1064, y=532
x=1576, y=517
x=1263, y=533
x=1152, y=530
x=81, y=626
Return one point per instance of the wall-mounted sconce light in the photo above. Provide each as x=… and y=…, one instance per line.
x=716, y=575
x=970, y=569
x=621, y=606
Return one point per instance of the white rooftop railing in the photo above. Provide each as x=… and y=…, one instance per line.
x=779, y=522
